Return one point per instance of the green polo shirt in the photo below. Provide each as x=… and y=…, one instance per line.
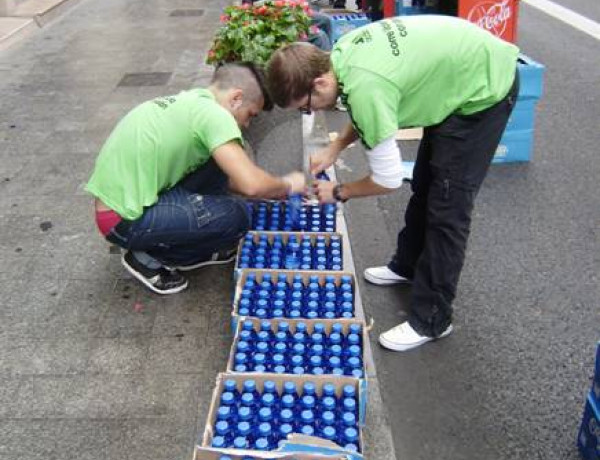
x=418, y=70
x=157, y=144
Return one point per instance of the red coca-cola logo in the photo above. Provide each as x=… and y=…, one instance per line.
x=490, y=15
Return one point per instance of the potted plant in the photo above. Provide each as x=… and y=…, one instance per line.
x=253, y=32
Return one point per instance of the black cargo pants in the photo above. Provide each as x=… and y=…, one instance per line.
x=452, y=161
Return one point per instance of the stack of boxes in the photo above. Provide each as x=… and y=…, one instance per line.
x=295, y=382
x=588, y=439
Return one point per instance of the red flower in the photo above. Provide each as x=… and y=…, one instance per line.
x=211, y=54
x=224, y=18
x=279, y=3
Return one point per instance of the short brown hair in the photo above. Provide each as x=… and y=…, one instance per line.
x=292, y=69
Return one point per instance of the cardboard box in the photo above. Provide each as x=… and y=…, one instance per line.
x=306, y=274
x=285, y=236
x=307, y=445
x=283, y=204
x=343, y=21
x=328, y=323
x=588, y=439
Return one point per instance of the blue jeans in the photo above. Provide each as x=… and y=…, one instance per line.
x=188, y=223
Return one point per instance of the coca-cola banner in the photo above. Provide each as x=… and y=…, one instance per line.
x=496, y=16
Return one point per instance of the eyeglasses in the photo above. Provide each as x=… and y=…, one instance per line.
x=307, y=109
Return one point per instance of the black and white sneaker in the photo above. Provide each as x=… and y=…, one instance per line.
x=161, y=280
x=223, y=256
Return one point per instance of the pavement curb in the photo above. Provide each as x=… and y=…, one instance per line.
x=379, y=442
x=29, y=17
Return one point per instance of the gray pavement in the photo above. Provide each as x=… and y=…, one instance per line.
x=92, y=366
x=510, y=383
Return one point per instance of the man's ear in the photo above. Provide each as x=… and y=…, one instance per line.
x=322, y=83
x=236, y=98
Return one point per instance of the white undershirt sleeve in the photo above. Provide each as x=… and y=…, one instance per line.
x=385, y=161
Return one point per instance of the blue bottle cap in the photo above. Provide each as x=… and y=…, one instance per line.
x=328, y=403
x=230, y=385
x=316, y=337
x=264, y=429
x=349, y=391
x=349, y=419
x=242, y=347
x=329, y=389
x=262, y=336
x=299, y=348
x=285, y=429
x=224, y=413
x=329, y=433
x=265, y=326
x=308, y=430
x=244, y=414
x=247, y=399
x=357, y=373
x=240, y=442
x=298, y=370
x=337, y=371
x=335, y=361
x=269, y=386
x=247, y=325
x=280, y=347
x=351, y=434
x=308, y=401
x=267, y=399
x=249, y=386
x=262, y=347
x=316, y=361
x=289, y=387
x=309, y=388
x=240, y=368
x=328, y=417
x=335, y=350
x=261, y=444
x=349, y=404
x=318, y=328
x=307, y=416
x=219, y=442
x=227, y=398
x=354, y=362
x=295, y=314
x=279, y=369
x=259, y=358
x=297, y=360
x=318, y=350
x=287, y=401
x=354, y=350
x=286, y=415
x=317, y=370
x=243, y=428
x=222, y=427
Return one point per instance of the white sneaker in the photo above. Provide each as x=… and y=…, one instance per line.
x=383, y=276
x=403, y=337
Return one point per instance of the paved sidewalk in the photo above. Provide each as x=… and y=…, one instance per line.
x=92, y=366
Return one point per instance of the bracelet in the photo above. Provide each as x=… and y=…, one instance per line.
x=336, y=193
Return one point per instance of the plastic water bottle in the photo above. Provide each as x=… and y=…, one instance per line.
x=292, y=261
x=295, y=206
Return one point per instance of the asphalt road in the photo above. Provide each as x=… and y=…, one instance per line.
x=510, y=382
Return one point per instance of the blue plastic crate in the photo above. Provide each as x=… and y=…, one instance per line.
x=588, y=439
x=531, y=75
x=413, y=7
x=344, y=21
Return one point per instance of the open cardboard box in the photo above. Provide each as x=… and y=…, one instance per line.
x=298, y=447
x=310, y=323
x=285, y=236
x=306, y=274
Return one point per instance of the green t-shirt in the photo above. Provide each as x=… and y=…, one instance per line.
x=418, y=70
x=155, y=145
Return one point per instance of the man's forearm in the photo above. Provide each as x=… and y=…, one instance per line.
x=363, y=187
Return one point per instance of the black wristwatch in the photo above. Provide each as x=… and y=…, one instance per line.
x=336, y=193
